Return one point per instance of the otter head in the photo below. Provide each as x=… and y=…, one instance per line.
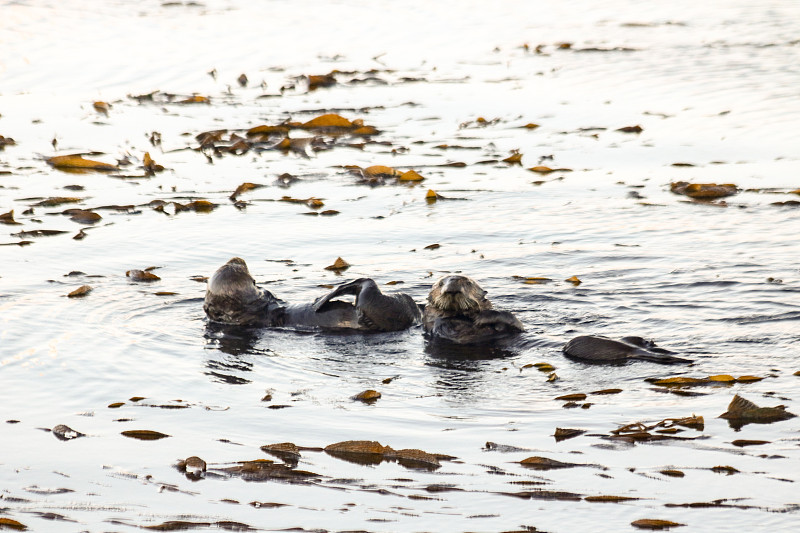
x=458, y=294
x=232, y=296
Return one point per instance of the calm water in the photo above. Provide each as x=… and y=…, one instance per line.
x=714, y=85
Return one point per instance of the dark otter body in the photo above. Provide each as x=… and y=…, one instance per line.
x=234, y=298
x=604, y=350
x=458, y=311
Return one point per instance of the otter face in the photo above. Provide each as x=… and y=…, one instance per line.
x=458, y=294
x=232, y=296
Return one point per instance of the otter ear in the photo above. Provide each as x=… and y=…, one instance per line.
x=484, y=293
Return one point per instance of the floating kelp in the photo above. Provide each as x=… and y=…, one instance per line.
x=703, y=191
x=567, y=433
x=542, y=494
x=9, y=523
x=741, y=412
x=6, y=141
x=244, y=187
x=610, y=499
x=141, y=275
x=649, y=523
x=639, y=432
x=82, y=216
x=543, y=463
x=340, y=265
x=8, y=219
x=367, y=396
x=267, y=470
x=718, y=379
x=144, y=434
x=373, y=453
x=76, y=162
x=80, y=292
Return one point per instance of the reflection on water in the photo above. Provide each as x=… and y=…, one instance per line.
x=711, y=90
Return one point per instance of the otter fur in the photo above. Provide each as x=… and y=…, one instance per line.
x=233, y=298
x=458, y=311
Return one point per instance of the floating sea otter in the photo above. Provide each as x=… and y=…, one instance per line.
x=458, y=311
x=234, y=298
x=604, y=350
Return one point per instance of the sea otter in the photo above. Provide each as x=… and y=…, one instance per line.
x=458, y=311
x=595, y=349
x=234, y=298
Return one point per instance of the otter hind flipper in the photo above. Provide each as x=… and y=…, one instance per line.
x=350, y=288
x=376, y=311
x=597, y=349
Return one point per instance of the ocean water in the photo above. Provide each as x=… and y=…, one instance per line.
x=713, y=88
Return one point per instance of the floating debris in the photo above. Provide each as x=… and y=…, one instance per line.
x=63, y=432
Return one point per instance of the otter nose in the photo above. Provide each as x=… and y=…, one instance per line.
x=451, y=286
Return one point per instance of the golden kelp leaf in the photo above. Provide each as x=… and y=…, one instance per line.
x=433, y=246
x=8, y=523
x=381, y=171
x=144, y=434
x=552, y=377
x=541, y=169
x=748, y=442
x=530, y=126
x=80, y=292
x=609, y=499
x=514, y=159
x=8, y=218
x=198, y=206
x=365, y=131
x=547, y=368
x=339, y=264
x=577, y=397
x=58, y=200
x=648, y=523
x=567, y=433
x=704, y=191
x=725, y=378
x=631, y=129
x=724, y=469
x=330, y=120
x=411, y=458
x=282, y=447
x=679, y=381
x=76, y=161
x=358, y=447
x=673, y=473
x=83, y=216
x=268, y=130
x=607, y=391
x=543, y=463
x=165, y=293
x=574, y=280
x=6, y=141
x=101, y=107
x=431, y=196
x=141, y=275
x=116, y=405
x=748, y=379
x=367, y=396
x=742, y=411
x=411, y=175
x=195, y=99
x=150, y=166
x=533, y=280
x=316, y=81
